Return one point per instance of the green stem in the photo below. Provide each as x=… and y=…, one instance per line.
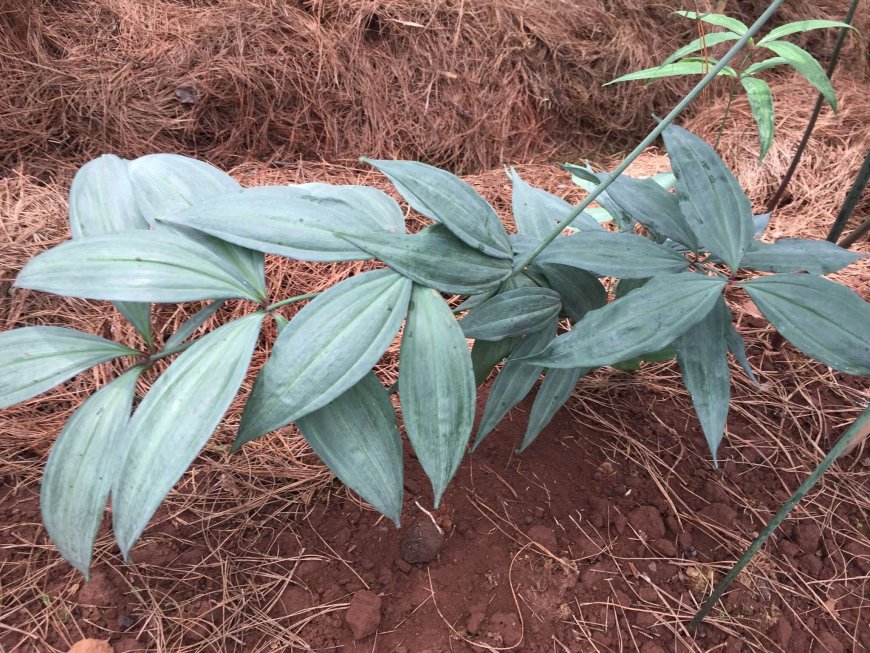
x=170, y=352
x=849, y=205
x=290, y=300
x=731, y=93
x=842, y=444
x=653, y=135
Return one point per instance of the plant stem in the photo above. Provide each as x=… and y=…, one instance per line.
x=290, y=300
x=853, y=237
x=842, y=444
x=170, y=352
x=820, y=101
x=731, y=93
x=653, y=135
x=849, y=205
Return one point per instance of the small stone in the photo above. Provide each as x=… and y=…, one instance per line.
x=421, y=543
x=92, y=646
x=544, y=536
x=475, y=619
x=364, y=614
x=647, y=520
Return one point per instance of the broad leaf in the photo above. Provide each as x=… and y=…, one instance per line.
x=737, y=347
x=798, y=255
x=760, y=223
x=720, y=20
x=555, y=390
x=761, y=66
x=512, y=313
x=715, y=206
x=437, y=259
x=673, y=70
x=640, y=322
x=35, y=359
x=825, y=320
x=300, y=222
x=514, y=381
x=761, y=103
x=486, y=354
x=191, y=325
x=139, y=315
x=146, y=266
x=700, y=44
x=436, y=386
x=445, y=198
x=174, y=421
x=589, y=181
x=475, y=300
x=622, y=255
x=580, y=290
x=537, y=212
x=800, y=26
x=803, y=62
x=327, y=347
x=81, y=469
x=702, y=355
x=356, y=436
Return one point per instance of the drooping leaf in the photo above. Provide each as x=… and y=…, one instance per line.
x=555, y=390
x=445, y=198
x=737, y=347
x=622, y=255
x=300, y=222
x=580, y=290
x=761, y=66
x=720, y=20
x=436, y=386
x=803, y=62
x=191, y=325
x=81, y=469
x=356, y=436
x=643, y=321
x=700, y=44
x=35, y=359
x=486, y=354
x=514, y=381
x=673, y=70
x=800, y=26
x=136, y=266
x=701, y=353
x=174, y=421
x=715, y=206
x=537, y=212
x=761, y=103
x=512, y=313
x=589, y=181
x=825, y=320
x=437, y=259
x=798, y=255
x=327, y=347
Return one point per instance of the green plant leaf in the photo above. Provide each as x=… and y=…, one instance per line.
x=737, y=347
x=555, y=390
x=589, y=181
x=760, y=223
x=81, y=469
x=174, y=421
x=35, y=359
x=761, y=103
x=437, y=259
x=580, y=290
x=803, y=62
x=823, y=319
x=512, y=313
x=135, y=266
x=486, y=354
x=514, y=381
x=798, y=255
x=638, y=323
x=445, y=198
x=436, y=386
x=191, y=325
x=475, y=300
x=673, y=70
x=761, y=66
x=699, y=44
x=537, y=212
x=720, y=20
x=356, y=436
x=633, y=364
x=715, y=206
x=327, y=347
x=622, y=255
x=300, y=222
x=702, y=355
x=800, y=26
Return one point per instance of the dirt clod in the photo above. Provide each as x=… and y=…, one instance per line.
x=92, y=646
x=421, y=543
x=475, y=619
x=647, y=520
x=544, y=536
x=364, y=614
x=98, y=591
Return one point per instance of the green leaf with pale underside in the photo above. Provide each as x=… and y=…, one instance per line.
x=511, y=313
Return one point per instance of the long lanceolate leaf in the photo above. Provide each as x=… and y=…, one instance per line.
x=580, y=290
x=798, y=255
x=536, y=211
x=702, y=43
x=803, y=62
x=702, y=355
x=514, y=381
x=137, y=266
x=327, y=347
x=640, y=322
x=720, y=20
x=716, y=207
x=356, y=436
x=191, y=325
x=800, y=26
x=674, y=70
x=436, y=386
x=174, y=421
x=761, y=103
x=445, y=198
x=300, y=222
x=437, y=259
x=81, y=469
x=35, y=359
x=486, y=354
x=512, y=313
x=555, y=390
x=823, y=319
